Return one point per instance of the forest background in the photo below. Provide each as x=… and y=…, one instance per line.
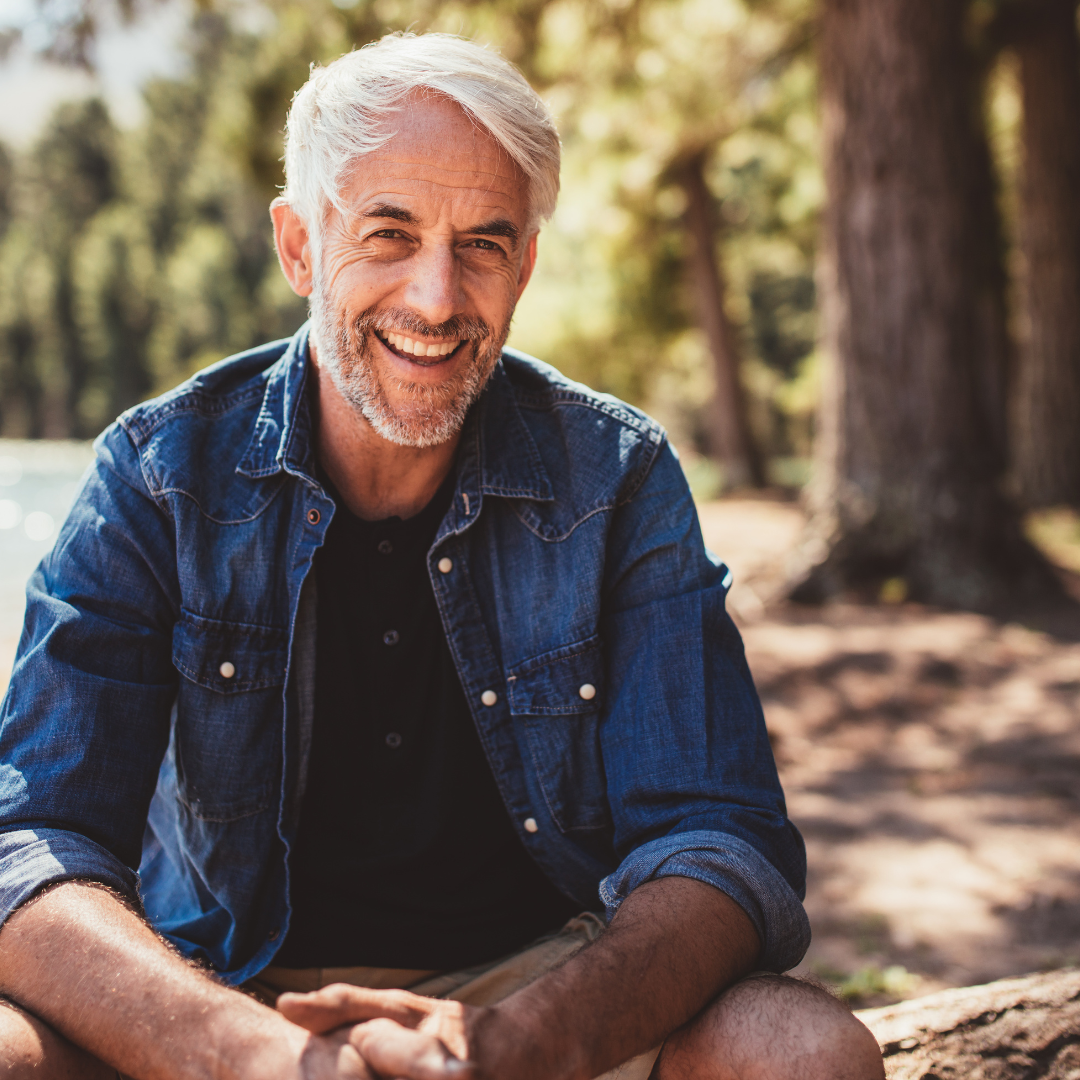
x=131, y=258
x=828, y=243
x=725, y=161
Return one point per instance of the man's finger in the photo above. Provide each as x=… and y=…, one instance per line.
x=392, y=1050
x=338, y=1004
x=333, y=1057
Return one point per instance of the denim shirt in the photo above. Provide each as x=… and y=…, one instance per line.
x=155, y=733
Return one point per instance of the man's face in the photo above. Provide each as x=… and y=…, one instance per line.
x=413, y=295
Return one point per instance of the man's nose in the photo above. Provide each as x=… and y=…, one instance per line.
x=434, y=291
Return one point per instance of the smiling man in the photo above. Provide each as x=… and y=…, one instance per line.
x=382, y=675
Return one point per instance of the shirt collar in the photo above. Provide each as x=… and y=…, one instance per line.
x=498, y=454
x=281, y=437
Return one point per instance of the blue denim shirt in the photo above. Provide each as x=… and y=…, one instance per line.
x=133, y=754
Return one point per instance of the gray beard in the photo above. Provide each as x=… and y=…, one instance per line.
x=435, y=413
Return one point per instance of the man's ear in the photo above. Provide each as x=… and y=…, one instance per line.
x=293, y=247
x=528, y=264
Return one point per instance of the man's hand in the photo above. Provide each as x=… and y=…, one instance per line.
x=673, y=946
x=394, y=1032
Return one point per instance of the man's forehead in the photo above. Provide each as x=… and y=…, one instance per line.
x=436, y=151
x=416, y=176
x=416, y=191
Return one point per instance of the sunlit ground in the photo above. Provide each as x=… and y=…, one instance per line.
x=932, y=762
x=931, y=759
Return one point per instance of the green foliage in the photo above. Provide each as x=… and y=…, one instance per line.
x=870, y=984
x=113, y=271
x=130, y=259
x=679, y=78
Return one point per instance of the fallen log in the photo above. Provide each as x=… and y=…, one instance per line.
x=1013, y=1029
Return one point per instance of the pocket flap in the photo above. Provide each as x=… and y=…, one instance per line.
x=565, y=681
x=229, y=657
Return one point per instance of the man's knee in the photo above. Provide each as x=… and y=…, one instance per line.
x=31, y=1050
x=772, y=1028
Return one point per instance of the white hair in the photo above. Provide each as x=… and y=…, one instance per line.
x=339, y=114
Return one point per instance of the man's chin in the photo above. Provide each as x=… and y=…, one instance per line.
x=414, y=428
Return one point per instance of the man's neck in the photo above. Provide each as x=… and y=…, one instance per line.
x=376, y=478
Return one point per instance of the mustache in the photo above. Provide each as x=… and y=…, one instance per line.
x=464, y=327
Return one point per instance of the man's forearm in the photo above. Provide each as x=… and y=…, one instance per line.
x=672, y=947
x=79, y=959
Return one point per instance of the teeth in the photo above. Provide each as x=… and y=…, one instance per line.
x=419, y=348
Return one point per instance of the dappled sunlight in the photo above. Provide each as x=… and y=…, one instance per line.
x=932, y=761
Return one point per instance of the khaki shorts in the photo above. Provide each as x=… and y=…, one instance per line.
x=485, y=984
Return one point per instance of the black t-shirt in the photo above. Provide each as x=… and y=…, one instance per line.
x=406, y=856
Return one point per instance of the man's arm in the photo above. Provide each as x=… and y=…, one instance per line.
x=79, y=959
x=674, y=944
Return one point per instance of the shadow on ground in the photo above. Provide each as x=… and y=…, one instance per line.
x=931, y=760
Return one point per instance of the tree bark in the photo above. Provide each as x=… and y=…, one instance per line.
x=728, y=433
x=1013, y=1029
x=909, y=452
x=1047, y=414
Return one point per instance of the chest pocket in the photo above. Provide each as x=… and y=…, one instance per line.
x=558, y=698
x=229, y=716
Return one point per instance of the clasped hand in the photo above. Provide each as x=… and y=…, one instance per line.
x=365, y=1034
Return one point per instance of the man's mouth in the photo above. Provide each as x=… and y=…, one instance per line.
x=424, y=352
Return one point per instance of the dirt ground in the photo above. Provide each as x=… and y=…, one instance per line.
x=932, y=762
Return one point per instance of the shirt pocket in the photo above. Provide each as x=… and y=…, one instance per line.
x=229, y=716
x=558, y=698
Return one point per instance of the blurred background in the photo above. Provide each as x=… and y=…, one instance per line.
x=833, y=245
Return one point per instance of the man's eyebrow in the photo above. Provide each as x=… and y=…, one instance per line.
x=395, y=213
x=497, y=227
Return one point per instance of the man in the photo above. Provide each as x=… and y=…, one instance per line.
x=381, y=653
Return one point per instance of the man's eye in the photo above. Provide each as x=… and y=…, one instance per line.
x=486, y=245
x=390, y=234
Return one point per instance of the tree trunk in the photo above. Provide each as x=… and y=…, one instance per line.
x=1047, y=416
x=728, y=433
x=909, y=448
x=1013, y=1029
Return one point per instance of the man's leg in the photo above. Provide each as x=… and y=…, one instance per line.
x=771, y=1028
x=31, y=1050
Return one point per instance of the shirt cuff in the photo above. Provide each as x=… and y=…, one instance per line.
x=733, y=867
x=30, y=859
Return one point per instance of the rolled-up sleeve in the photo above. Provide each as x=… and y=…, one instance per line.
x=84, y=724
x=692, y=782
x=31, y=859
x=735, y=868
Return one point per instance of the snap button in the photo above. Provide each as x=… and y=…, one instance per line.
x=446, y=565
x=313, y=516
x=227, y=670
x=587, y=691
x=393, y=740
x=530, y=825
x=489, y=697
x=391, y=637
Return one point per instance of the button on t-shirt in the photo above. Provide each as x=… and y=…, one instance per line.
x=406, y=856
